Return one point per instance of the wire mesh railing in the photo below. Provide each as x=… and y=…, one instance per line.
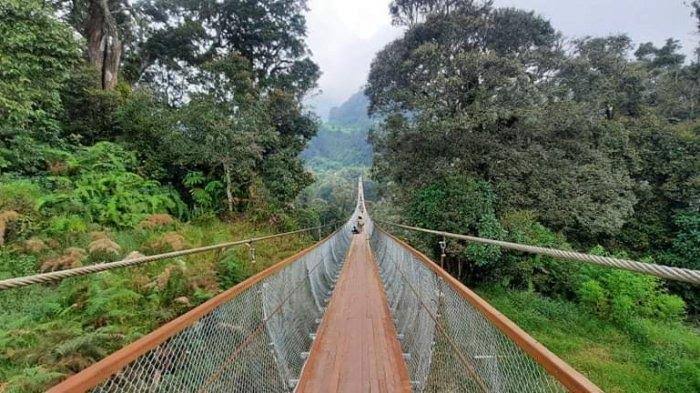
x=253, y=337
x=453, y=340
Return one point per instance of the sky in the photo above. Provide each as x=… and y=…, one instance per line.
x=344, y=35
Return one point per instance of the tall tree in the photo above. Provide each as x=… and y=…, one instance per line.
x=461, y=94
x=104, y=49
x=104, y=24
x=181, y=35
x=412, y=12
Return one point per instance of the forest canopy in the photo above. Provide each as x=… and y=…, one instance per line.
x=596, y=139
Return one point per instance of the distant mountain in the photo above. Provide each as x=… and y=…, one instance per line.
x=341, y=142
x=352, y=113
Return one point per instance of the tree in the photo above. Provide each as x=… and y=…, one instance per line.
x=412, y=12
x=463, y=95
x=37, y=54
x=178, y=37
x=674, y=88
x=665, y=57
x=225, y=139
x=104, y=24
x=104, y=49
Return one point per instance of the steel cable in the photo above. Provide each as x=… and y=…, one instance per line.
x=43, y=278
x=668, y=272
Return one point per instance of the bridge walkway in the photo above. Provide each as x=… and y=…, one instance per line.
x=356, y=348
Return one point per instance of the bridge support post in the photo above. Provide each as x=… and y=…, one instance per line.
x=443, y=246
x=251, y=252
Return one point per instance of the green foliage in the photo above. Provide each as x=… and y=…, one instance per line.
x=58, y=225
x=19, y=195
x=205, y=192
x=685, y=252
x=147, y=125
x=584, y=139
x=460, y=204
x=110, y=300
x=623, y=296
x=76, y=158
x=100, y=188
x=37, y=53
x=90, y=113
x=543, y=274
x=588, y=146
x=645, y=355
x=33, y=379
x=14, y=264
x=231, y=270
x=80, y=320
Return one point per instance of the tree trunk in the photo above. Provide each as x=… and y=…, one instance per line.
x=104, y=47
x=229, y=192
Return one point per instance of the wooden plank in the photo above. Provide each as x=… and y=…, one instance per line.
x=356, y=347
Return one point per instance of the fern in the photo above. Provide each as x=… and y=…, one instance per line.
x=204, y=192
x=104, y=191
x=193, y=179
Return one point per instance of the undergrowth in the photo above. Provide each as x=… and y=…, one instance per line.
x=639, y=355
x=51, y=331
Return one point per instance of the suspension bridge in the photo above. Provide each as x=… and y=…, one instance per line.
x=356, y=312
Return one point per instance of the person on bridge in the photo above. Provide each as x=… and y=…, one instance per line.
x=360, y=224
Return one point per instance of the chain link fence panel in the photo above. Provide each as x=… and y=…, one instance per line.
x=255, y=342
x=449, y=345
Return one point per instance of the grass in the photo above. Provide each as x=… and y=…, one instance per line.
x=48, y=332
x=639, y=356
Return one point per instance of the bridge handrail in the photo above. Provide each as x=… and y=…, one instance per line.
x=560, y=370
x=58, y=275
x=662, y=271
x=101, y=371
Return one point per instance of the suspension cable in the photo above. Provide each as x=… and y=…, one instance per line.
x=668, y=272
x=43, y=278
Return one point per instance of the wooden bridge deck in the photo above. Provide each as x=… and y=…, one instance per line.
x=356, y=348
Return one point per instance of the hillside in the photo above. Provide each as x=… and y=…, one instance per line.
x=341, y=142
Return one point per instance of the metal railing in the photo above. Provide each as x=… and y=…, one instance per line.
x=256, y=336
x=455, y=341
x=253, y=337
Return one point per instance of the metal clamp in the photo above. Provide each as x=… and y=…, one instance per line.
x=443, y=247
x=251, y=252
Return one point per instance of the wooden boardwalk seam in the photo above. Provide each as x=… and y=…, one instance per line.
x=356, y=347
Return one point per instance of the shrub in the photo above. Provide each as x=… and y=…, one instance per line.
x=230, y=270
x=463, y=205
x=60, y=225
x=622, y=296
x=546, y=275
x=104, y=190
x=593, y=296
x=19, y=195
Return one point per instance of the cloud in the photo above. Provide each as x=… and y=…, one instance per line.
x=344, y=37
x=643, y=21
